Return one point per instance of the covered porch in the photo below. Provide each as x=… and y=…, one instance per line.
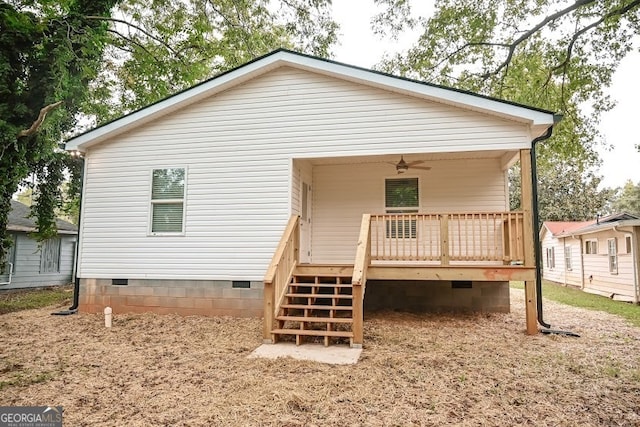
x=323, y=262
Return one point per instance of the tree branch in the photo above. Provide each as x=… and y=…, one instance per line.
x=139, y=28
x=513, y=45
x=36, y=125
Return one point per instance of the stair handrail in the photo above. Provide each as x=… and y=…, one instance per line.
x=359, y=279
x=279, y=273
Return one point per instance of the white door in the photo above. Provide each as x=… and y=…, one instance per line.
x=305, y=223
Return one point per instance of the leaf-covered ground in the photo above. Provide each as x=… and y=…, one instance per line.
x=415, y=370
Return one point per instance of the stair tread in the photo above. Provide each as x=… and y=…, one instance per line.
x=313, y=332
x=318, y=307
x=323, y=285
x=316, y=319
x=342, y=296
x=301, y=274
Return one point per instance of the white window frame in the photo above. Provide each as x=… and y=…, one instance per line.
x=567, y=258
x=413, y=233
x=589, y=247
x=551, y=258
x=152, y=202
x=612, y=255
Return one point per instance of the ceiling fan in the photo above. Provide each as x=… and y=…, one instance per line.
x=403, y=166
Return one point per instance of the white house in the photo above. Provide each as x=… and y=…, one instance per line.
x=599, y=256
x=185, y=201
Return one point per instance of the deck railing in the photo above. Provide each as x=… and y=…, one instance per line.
x=442, y=238
x=279, y=273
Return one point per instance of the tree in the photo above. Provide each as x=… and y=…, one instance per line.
x=49, y=51
x=160, y=47
x=540, y=53
x=65, y=59
x=628, y=200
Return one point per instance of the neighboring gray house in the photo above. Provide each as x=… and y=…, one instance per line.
x=30, y=266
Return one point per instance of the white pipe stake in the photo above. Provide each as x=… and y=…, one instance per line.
x=107, y=317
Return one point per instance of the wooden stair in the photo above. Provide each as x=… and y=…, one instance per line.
x=318, y=303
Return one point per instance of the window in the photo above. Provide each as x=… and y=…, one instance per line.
x=401, y=196
x=10, y=260
x=551, y=258
x=612, y=249
x=167, y=200
x=50, y=256
x=567, y=258
x=591, y=247
x=627, y=244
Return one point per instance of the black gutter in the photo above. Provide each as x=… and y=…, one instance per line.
x=76, y=283
x=536, y=225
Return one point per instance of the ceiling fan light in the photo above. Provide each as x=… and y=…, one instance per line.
x=402, y=166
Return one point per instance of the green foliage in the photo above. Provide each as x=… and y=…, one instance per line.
x=49, y=52
x=577, y=298
x=164, y=46
x=534, y=52
x=19, y=300
x=628, y=200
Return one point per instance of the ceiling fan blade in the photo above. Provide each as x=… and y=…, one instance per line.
x=424, y=168
x=415, y=162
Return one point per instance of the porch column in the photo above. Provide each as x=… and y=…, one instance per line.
x=526, y=204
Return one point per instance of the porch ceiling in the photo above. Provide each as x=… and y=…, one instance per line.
x=507, y=157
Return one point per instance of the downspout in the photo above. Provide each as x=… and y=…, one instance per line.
x=536, y=220
x=76, y=282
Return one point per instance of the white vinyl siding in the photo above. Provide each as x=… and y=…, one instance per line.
x=597, y=269
x=238, y=147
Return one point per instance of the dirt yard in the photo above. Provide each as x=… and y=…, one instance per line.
x=436, y=370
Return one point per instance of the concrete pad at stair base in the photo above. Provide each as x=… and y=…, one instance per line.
x=333, y=355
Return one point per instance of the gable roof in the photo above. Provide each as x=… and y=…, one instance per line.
x=567, y=228
x=539, y=120
x=19, y=220
x=562, y=227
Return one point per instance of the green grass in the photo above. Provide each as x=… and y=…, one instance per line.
x=578, y=298
x=17, y=300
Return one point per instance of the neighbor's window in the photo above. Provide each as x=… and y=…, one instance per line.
x=401, y=196
x=167, y=200
x=567, y=258
x=591, y=247
x=10, y=260
x=551, y=258
x=612, y=248
x=50, y=256
x=627, y=244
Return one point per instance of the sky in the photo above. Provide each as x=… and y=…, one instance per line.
x=359, y=46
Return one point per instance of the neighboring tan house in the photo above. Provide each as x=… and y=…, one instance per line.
x=599, y=256
x=31, y=264
x=292, y=168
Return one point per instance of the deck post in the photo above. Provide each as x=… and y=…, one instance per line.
x=444, y=239
x=267, y=338
x=526, y=204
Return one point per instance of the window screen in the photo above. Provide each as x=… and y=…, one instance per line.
x=167, y=200
x=50, y=256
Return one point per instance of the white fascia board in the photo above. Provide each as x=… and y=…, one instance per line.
x=538, y=120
